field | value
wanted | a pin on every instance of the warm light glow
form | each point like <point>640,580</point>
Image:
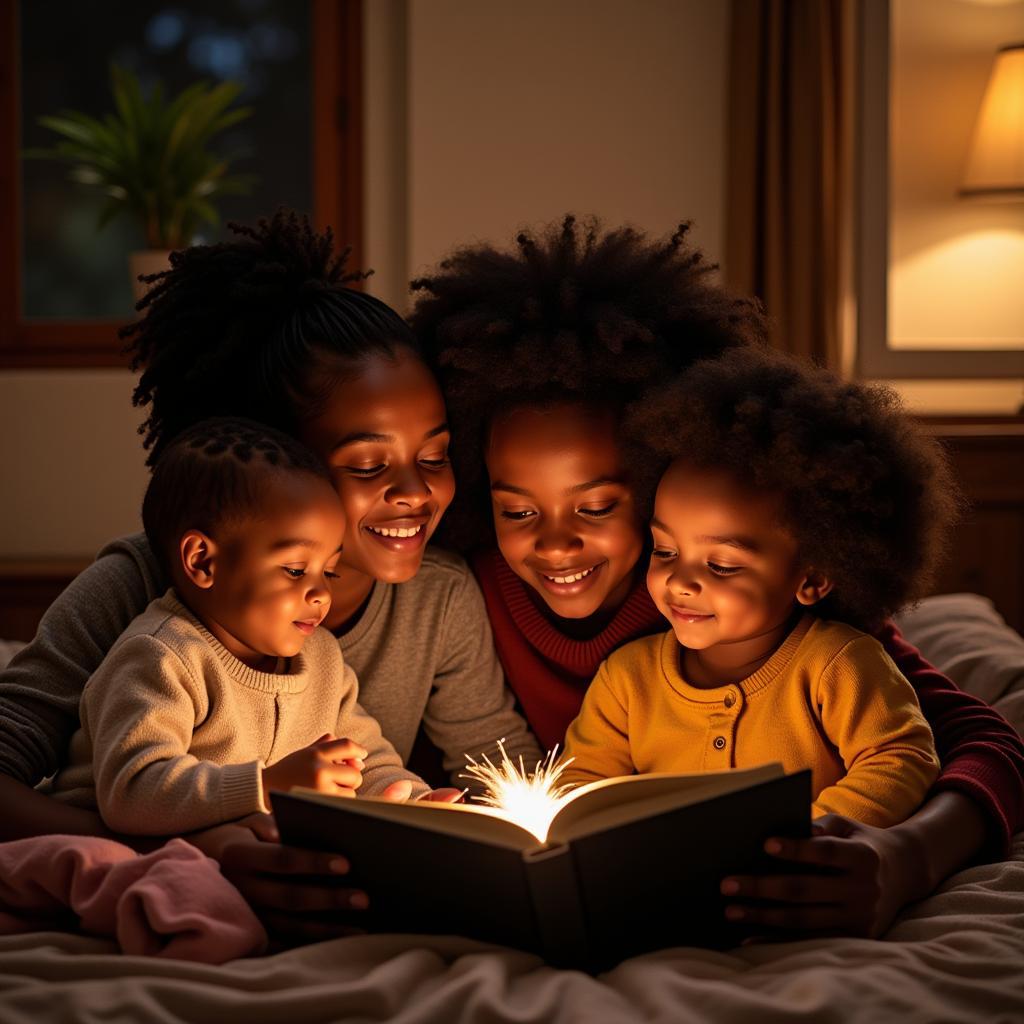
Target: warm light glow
<point>530,799</point>
<point>995,167</point>
<point>977,274</point>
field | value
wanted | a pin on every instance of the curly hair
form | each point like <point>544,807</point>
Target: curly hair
<point>867,495</point>
<point>214,473</point>
<point>261,326</point>
<point>573,312</point>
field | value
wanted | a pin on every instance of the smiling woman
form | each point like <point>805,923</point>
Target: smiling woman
<point>267,327</point>
<point>385,439</point>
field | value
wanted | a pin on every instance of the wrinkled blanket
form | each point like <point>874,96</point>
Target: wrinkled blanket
<point>172,902</point>
<point>955,957</point>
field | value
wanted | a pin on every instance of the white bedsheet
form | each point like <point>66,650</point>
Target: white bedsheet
<point>957,956</point>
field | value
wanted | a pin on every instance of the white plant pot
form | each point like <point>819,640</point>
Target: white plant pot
<point>146,261</point>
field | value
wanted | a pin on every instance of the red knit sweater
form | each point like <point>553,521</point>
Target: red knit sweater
<point>982,755</point>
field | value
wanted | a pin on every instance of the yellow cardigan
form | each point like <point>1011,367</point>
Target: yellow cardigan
<point>829,699</point>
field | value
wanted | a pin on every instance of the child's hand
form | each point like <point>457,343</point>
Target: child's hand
<point>329,765</point>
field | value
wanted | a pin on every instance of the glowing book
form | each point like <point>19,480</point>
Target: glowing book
<point>629,864</point>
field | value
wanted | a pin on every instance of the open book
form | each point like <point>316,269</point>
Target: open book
<point>629,864</point>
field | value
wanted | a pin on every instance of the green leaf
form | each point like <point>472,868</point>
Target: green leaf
<point>151,156</point>
<point>111,208</point>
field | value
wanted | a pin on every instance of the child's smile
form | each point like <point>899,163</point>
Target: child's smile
<point>724,571</point>
<point>563,512</point>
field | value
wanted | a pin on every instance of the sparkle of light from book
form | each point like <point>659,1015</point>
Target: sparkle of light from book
<point>529,799</point>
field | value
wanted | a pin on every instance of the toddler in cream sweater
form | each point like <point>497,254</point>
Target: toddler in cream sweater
<point>225,688</point>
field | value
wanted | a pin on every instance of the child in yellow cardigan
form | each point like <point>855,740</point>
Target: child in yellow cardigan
<point>795,508</point>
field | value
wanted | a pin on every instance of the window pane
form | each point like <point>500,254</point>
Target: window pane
<point>71,269</point>
<point>955,263</point>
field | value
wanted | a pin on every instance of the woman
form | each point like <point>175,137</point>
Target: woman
<point>538,351</point>
<point>266,327</point>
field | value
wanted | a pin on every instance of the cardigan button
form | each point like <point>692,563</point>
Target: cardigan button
<point>730,699</point>
<point>719,743</point>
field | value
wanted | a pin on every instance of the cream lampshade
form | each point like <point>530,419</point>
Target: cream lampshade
<point>995,166</point>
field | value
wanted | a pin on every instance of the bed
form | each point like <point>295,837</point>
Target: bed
<point>956,956</point>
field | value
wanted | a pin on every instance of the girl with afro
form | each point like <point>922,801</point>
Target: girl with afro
<point>267,326</point>
<point>795,508</point>
<point>539,349</point>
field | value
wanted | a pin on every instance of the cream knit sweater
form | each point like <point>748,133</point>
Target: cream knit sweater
<point>422,651</point>
<point>176,730</point>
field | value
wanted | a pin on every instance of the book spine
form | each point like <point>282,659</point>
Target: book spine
<point>557,906</point>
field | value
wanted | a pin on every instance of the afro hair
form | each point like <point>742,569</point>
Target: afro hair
<point>574,312</point>
<point>868,496</point>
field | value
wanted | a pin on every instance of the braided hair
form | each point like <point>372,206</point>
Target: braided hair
<point>574,312</point>
<point>262,326</point>
<point>216,472</point>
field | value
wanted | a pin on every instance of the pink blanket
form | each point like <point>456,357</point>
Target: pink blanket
<point>173,902</point>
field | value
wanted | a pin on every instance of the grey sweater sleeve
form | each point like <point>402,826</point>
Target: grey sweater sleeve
<point>382,765</point>
<point>41,688</point>
<point>470,708</point>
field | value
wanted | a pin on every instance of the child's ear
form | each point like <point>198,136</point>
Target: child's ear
<point>813,587</point>
<point>197,552</point>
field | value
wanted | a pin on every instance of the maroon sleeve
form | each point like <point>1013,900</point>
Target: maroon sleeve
<point>981,754</point>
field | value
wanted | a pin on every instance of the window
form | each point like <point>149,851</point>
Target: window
<point>939,292</point>
<point>64,286</point>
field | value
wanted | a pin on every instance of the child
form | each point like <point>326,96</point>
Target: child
<point>224,688</point>
<point>797,511</point>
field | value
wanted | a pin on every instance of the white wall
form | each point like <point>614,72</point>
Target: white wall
<point>71,462</point>
<point>480,117</point>
<point>517,113</point>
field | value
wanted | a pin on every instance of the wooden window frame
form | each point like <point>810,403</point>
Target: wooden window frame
<point>875,357</point>
<point>337,179</point>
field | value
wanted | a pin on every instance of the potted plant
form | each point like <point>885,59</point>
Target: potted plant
<point>151,159</point>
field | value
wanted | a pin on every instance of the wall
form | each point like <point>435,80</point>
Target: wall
<point>480,117</point>
<point>71,462</point>
<point>519,113</point>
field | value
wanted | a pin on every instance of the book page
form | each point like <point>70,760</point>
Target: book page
<point>472,821</point>
<point>611,802</point>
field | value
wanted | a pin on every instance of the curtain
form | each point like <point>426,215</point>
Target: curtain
<point>789,180</point>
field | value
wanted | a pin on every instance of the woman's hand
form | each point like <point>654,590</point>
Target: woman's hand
<point>445,795</point>
<point>295,893</point>
<point>401,790</point>
<point>867,875</point>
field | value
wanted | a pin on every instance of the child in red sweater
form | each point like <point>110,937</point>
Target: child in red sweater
<point>538,351</point>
